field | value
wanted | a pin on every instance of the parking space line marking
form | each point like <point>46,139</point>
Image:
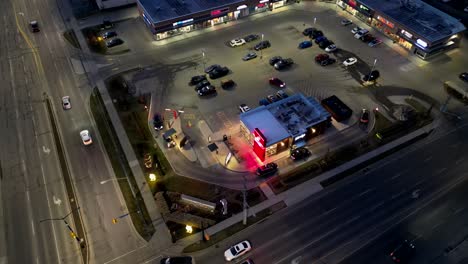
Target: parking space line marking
<point>366,191</point>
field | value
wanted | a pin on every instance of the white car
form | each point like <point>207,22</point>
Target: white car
<point>349,61</point>
<point>66,102</point>
<point>237,250</point>
<point>356,30</point>
<point>86,137</point>
<point>237,42</point>
<point>361,33</point>
<point>346,22</point>
<point>244,108</point>
<point>331,48</point>
<point>466,9</point>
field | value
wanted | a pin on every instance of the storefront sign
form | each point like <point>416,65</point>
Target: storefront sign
<point>241,7</point>
<point>386,22</point>
<point>406,34</point>
<point>261,5</point>
<point>299,137</point>
<point>421,43</point>
<point>259,144</point>
<point>219,12</point>
<point>183,22</point>
<point>352,3</point>
<point>264,1</point>
<point>363,7</point>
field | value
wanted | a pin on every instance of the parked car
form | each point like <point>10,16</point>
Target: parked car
<point>305,44</point>
<point>207,90</point>
<point>220,72</point>
<point>263,102</point>
<point>308,31</point>
<point>271,98</point>
<point>367,38</point>
<point>374,75</point>
<point>251,37</point>
<point>262,45</point>
<point>320,39</point>
<point>349,61</point>
<point>331,48</point>
<point>321,57</point>
<point>177,260</point>
<point>196,79</point>
<point>324,44</point>
<point>364,116</point>
<point>346,22</point>
<point>158,122</point>
<point>283,63</point>
<point>66,102</point>
<point>114,42</point>
<point>237,42</point>
<point>300,153</point>
<point>277,82</point>
<point>244,108</point>
<point>328,62</point>
<point>212,68</point>
<point>281,94</point>
<point>109,34</point>
<point>249,56</point>
<point>463,76</point>
<point>315,34</point>
<point>275,60</point>
<point>267,169</point>
<point>106,24</point>
<point>374,42</point>
<point>86,137</point>
<point>361,33</point>
<point>202,84</point>
<point>34,25</point>
<point>237,250</point>
<point>403,252</point>
<point>356,30</point>
<point>227,84</point>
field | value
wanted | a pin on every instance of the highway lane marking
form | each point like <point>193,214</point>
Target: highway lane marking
<point>121,256</point>
<point>33,230</point>
<point>427,159</point>
<point>459,160</point>
<point>366,191</point>
<point>151,259</point>
<point>398,194</point>
<point>459,210</point>
<point>377,206</point>
<point>437,225</point>
<point>27,196</point>
<point>329,211</point>
<point>441,170</point>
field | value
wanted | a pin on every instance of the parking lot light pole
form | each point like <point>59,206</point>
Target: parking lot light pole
<point>372,69</point>
<point>261,50</point>
<point>203,60</point>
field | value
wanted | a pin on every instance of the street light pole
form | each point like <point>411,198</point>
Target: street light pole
<point>372,69</point>
<point>203,60</point>
<point>261,50</point>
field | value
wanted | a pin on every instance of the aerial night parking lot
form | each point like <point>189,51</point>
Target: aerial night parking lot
<point>275,132</point>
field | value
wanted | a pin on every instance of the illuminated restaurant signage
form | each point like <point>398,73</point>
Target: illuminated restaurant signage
<point>386,22</point>
<point>259,144</point>
<point>183,22</point>
<point>219,12</point>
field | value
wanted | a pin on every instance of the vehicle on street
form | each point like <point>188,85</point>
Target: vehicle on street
<point>346,22</point>
<point>275,59</point>
<point>331,48</point>
<point>281,94</point>
<point>300,153</point>
<point>249,56</point>
<point>315,34</point>
<point>321,57</point>
<point>305,44</point>
<point>364,116</point>
<point>350,61</point>
<point>374,42</point>
<point>283,64</point>
<point>251,37</point>
<point>227,84</point>
<point>109,34</point>
<point>403,252</point>
<point>277,82</point>
<point>320,39</point>
<point>356,30</point>
<point>267,169</point>
<point>328,62</point>
<point>158,122</point>
<point>271,98</point>
<point>207,90</point>
<point>244,108</point>
<point>114,42</point>
<point>361,33</point>
<point>308,31</point>
<point>237,42</point>
<point>212,68</point>
<point>34,25</point>
<point>247,261</point>
<point>463,76</point>
<point>202,84</point>
<point>367,38</point>
<point>177,260</point>
<point>262,45</point>
<point>86,137</point>
<point>106,24</point>
<point>237,250</point>
<point>220,72</point>
<point>66,102</point>
<point>196,79</point>
<point>374,75</point>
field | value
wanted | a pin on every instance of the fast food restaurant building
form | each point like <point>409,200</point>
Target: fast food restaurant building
<point>167,18</point>
<point>284,124</point>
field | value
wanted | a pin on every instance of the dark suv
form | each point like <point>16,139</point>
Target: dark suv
<point>219,72</point>
<point>299,153</point>
<point>267,169</point>
<point>196,79</point>
<point>402,252</point>
<point>283,63</point>
<point>308,31</point>
<point>262,45</point>
<point>275,59</point>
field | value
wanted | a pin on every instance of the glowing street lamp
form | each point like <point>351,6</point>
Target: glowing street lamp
<point>188,229</point>
<point>152,177</point>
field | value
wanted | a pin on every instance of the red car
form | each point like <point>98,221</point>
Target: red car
<point>277,82</point>
<point>321,57</point>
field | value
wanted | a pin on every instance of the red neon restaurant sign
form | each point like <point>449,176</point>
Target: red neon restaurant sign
<point>259,144</point>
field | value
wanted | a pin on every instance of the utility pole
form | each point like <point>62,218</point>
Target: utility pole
<point>72,232</point>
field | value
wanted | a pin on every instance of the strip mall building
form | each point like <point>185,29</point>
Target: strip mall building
<point>166,18</point>
<point>289,122</point>
<point>413,24</point>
